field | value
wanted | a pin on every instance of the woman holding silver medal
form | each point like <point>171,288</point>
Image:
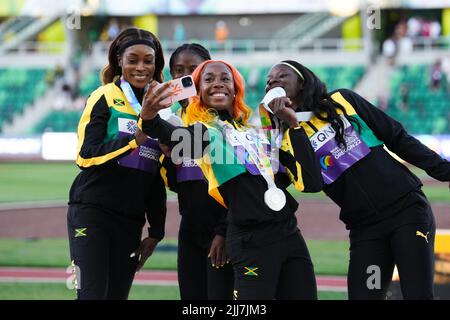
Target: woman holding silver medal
<point>269,256</point>
<point>204,272</point>
<point>382,204</point>
<point>119,185</point>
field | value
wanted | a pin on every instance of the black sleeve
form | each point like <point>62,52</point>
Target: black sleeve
<point>157,209</point>
<point>392,133</point>
<point>221,227</point>
<point>92,130</point>
<point>299,159</point>
<point>193,138</point>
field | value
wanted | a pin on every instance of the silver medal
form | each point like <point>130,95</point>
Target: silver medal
<point>275,198</point>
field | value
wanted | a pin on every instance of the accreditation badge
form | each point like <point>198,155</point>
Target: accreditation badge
<point>335,159</point>
<point>146,156</point>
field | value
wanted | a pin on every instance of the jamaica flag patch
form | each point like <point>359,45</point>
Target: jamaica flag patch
<point>81,232</point>
<point>118,102</point>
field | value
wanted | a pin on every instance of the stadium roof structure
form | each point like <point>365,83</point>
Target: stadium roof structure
<point>204,7</point>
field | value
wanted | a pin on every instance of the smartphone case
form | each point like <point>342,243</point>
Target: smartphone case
<point>180,91</point>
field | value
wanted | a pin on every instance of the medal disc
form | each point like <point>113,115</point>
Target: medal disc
<point>275,199</point>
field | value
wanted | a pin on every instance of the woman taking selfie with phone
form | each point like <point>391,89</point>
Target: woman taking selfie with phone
<point>119,184</point>
<point>269,256</point>
<point>203,270</point>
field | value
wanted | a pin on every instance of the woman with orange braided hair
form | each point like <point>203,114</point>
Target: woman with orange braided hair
<point>204,272</point>
<point>268,253</point>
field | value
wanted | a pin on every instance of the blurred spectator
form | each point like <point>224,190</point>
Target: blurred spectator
<point>403,42</point>
<point>113,29</point>
<point>50,78</point>
<point>435,29</point>
<point>222,31</point>
<point>59,71</point>
<point>419,27</point>
<point>414,27</point>
<point>405,45</point>
<point>253,78</point>
<point>179,33</point>
<point>401,29</point>
<point>446,67</point>
<point>390,50</point>
<point>64,101</point>
<point>404,96</point>
<point>436,75</point>
<point>426,26</point>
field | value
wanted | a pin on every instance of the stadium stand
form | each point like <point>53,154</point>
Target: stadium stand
<point>59,121</point>
<point>421,109</point>
<point>19,87</point>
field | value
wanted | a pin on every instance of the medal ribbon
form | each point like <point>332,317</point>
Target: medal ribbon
<point>257,154</point>
<point>131,97</point>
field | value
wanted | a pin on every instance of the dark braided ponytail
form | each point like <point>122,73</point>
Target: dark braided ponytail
<point>316,98</point>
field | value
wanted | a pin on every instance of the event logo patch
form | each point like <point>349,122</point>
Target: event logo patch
<point>325,162</point>
<point>131,126</point>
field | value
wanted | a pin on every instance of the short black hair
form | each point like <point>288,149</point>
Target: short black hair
<point>195,48</point>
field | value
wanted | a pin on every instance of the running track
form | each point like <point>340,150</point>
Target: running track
<point>164,278</point>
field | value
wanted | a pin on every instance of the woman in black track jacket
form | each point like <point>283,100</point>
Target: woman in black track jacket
<point>382,204</point>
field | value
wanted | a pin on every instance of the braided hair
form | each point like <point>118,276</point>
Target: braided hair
<point>195,48</point>
<point>315,97</point>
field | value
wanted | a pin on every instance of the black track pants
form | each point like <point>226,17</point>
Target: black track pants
<point>100,246</point>
<point>280,270</point>
<point>197,279</point>
<point>375,250</point>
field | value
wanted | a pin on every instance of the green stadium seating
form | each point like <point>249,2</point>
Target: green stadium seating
<point>19,87</point>
<point>89,83</point>
<point>59,121</point>
<point>427,110</point>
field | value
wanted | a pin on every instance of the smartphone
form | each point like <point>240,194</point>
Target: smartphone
<point>182,88</point>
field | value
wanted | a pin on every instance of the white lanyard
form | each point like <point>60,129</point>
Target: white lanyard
<point>131,97</point>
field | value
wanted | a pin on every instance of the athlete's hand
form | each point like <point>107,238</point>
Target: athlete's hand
<point>144,251</point>
<point>165,149</point>
<point>152,101</point>
<point>217,252</point>
<point>282,108</point>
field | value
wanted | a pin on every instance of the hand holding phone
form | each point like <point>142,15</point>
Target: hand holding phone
<point>155,94</point>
